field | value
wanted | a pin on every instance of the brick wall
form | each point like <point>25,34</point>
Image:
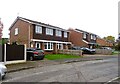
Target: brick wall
<point>23,32</point>
<point>76,38</point>
<point>103,42</point>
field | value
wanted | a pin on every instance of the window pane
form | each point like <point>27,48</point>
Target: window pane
<point>38,29</point>
<point>45,45</point>
<point>49,31</point>
<point>49,46</point>
<point>58,33</point>
<point>65,34</point>
<point>16,31</point>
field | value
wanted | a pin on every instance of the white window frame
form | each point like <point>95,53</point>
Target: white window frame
<point>65,34</point>
<point>49,46</point>
<point>49,31</point>
<point>59,46</point>
<point>92,36</point>
<point>38,29</point>
<point>16,31</point>
<point>59,33</point>
<point>38,44</point>
<point>84,35</point>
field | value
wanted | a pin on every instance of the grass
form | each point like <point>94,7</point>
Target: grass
<point>60,56</point>
<point>115,52</point>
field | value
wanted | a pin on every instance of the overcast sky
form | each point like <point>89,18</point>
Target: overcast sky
<point>95,16</point>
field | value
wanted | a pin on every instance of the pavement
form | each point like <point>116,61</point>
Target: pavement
<point>45,62</point>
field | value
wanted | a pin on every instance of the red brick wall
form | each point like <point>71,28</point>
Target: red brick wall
<point>76,38</point>
<point>103,42</point>
<point>23,32</point>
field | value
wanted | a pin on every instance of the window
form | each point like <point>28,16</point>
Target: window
<point>48,46</point>
<point>38,29</point>
<point>16,31</point>
<point>49,31</point>
<point>58,33</point>
<point>93,37</point>
<point>84,35</point>
<point>65,34</point>
<point>37,45</point>
<point>59,46</point>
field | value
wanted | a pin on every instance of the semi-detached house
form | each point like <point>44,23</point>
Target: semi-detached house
<point>82,38</point>
<point>86,39</point>
<point>39,35</point>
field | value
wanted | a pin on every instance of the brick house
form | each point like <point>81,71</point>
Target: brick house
<point>82,38</point>
<point>103,43</point>
<point>39,35</point>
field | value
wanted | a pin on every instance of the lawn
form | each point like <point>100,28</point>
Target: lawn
<point>115,52</point>
<point>60,56</point>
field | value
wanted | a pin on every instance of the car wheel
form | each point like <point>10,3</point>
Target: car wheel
<point>31,58</point>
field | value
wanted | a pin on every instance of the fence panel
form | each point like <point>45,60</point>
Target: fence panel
<point>14,52</point>
<point>72,52</point>
<point>103,51</point>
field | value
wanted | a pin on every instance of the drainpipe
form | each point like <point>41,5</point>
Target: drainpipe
<point>29,36</point>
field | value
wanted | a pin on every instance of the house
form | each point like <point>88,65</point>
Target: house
<point>82,38</point>
<point>39,35</point>
<point>103,43</point>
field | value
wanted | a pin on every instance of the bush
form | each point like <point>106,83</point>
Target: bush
<point>117,47</point>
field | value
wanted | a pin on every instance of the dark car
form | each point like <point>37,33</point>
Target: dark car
<point>87,50</point>
<point>35,53</point>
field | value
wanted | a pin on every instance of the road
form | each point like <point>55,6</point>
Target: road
<point>86,71</point>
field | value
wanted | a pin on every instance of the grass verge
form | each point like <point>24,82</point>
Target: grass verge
<point>115,53</point>
<point>60,56</point>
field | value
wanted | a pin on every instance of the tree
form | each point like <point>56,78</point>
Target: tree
<point>110,39</point>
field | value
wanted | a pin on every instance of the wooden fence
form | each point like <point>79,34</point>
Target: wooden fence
<point>13,53</point>
<point>71,52</point>
<point>103,51</point>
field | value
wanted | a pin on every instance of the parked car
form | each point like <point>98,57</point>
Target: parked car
<point>35,53</point>
<point>3,71</point>
<point>87,50</point>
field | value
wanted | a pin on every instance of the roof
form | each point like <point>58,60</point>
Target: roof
<point>37,23</point>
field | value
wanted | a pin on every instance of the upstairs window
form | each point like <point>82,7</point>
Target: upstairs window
<point>93,37</point>
<point>16,31</point>
<point>49,31</point>
<point>84,35</point>
<point>38,29</point>
<point>65,34</point>
<point>58,33</point>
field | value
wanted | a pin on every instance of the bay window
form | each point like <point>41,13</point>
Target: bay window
<point>48,46</point>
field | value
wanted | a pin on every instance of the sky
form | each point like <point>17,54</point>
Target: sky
<point>96,16</point>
